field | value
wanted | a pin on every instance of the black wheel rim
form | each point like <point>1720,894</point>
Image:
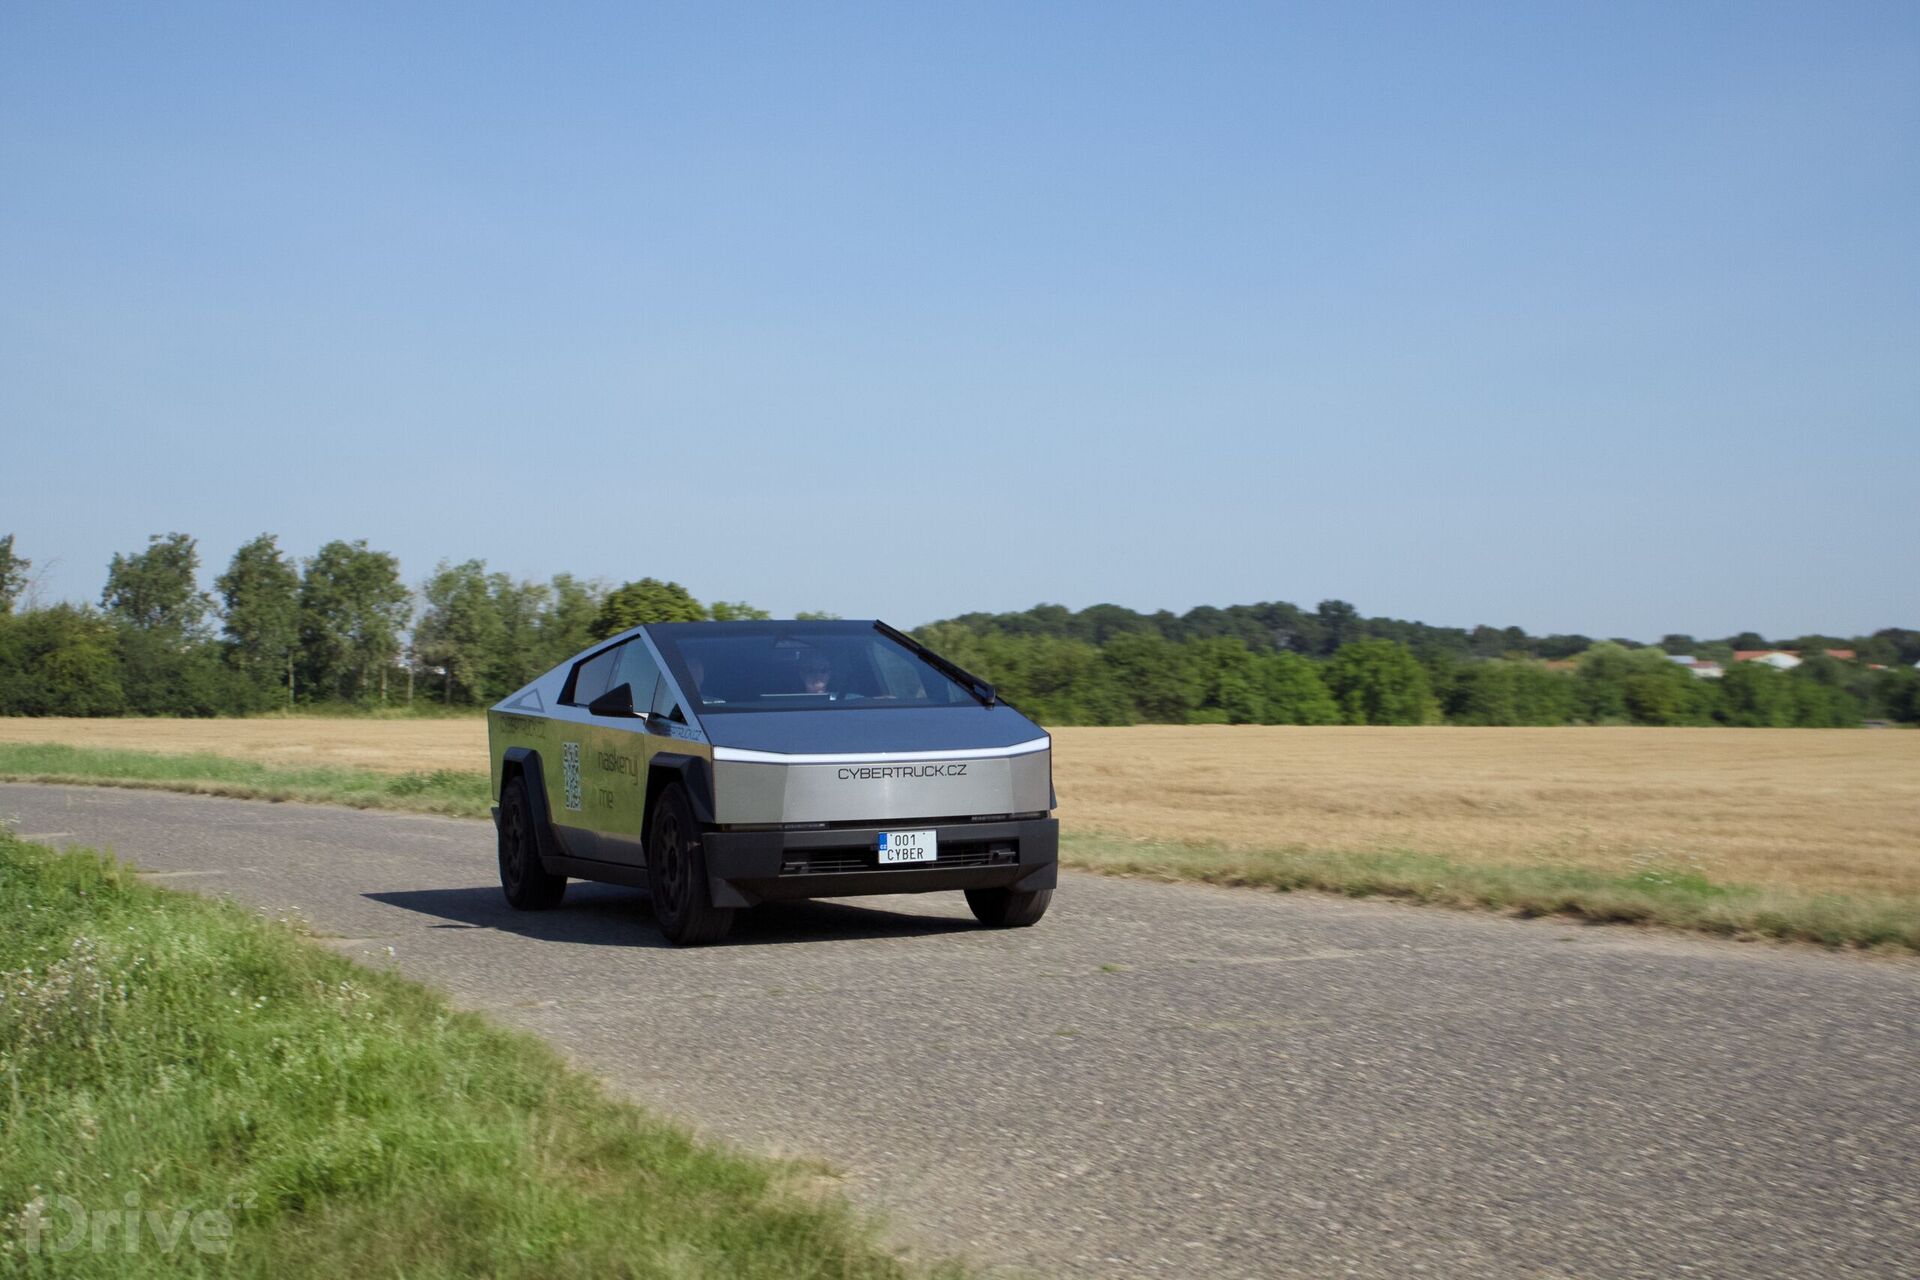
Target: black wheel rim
<point>671,854</point>
<point>514,864</point>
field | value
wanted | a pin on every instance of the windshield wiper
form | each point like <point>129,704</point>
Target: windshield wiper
<point>972,683</point>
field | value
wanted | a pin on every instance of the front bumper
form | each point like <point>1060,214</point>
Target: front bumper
<point>745,867</point>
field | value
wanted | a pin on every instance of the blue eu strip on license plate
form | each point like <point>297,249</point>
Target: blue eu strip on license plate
<point>908,846</point>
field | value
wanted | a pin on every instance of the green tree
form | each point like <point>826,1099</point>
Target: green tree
<point>1900,695</point>
<point>1541,696</point>
<point>163,676</point>
<point>1821,703</point>
<point>736,611</point>
<point>1292,692</point>
<point>13,574</point>
<point>1600,683</point>
<point>1663,697</point>
<point>1338,623</point>
<point>521,646</point>
<point>1641,686</point>
<point>1562,646</point>
<point>1054,680</point>
<point>1895,646</point>
<point>1483,693</point>
<point>1229,682</point>
<point>260,592</point>
<point>1490,642</point>
<point>1061,682</point>
<point>1154,674</point>
<point>1380,682</point>
<point>566,625</point>
<point>648,600</point>
<point>62,661</point>
<point>155,590</point>
<point>1444,672</point>
<point>1752,695</point>
<point>461,630</point>
<point>353,608</point>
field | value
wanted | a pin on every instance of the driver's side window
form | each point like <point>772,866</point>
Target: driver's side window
<point>636,667</point>
<point>666,705</point>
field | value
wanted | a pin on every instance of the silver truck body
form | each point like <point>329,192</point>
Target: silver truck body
<point>793,791</point>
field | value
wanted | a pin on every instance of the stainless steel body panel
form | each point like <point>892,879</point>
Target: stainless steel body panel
<point>880,788</point>
<point>795,799</point>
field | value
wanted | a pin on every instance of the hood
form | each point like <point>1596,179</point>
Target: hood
<point>845,730</point>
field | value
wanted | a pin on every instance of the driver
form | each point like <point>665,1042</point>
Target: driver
<point>816,671</point>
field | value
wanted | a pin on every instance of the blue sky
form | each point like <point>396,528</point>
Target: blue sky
<point>1586,318</point>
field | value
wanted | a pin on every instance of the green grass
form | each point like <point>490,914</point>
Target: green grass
<point>444,791</point>
<point>1673,898</point>
<point>420,709</point>
<point>173,1056</point>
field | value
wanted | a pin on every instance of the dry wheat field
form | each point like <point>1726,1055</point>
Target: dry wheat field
<point>1815,809</point>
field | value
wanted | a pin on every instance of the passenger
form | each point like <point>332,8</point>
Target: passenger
<point>815,672</point>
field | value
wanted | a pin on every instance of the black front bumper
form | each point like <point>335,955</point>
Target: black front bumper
<point>745,867</point>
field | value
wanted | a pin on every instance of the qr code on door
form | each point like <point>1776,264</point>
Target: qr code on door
<point>570,772</point>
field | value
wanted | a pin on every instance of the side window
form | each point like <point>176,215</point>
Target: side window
<point>665,704</point>
<point>591,678</point>
<point>637,668</point>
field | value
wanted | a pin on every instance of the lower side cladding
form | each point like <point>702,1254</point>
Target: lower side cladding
<point>745,867</point>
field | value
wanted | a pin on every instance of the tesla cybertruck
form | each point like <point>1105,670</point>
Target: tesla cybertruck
<point>722,764</point>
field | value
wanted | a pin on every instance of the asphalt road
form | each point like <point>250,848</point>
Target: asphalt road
<point>1167,1080</point>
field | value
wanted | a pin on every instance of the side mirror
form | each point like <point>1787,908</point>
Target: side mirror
<point>617,701</point>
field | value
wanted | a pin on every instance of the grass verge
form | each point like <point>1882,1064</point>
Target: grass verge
<point>186,1088</point>
<point>421,710</point>
<point>444,791</point>
<point>1676,898</point>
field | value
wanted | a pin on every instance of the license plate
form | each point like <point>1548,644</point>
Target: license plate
<point>908,846</point>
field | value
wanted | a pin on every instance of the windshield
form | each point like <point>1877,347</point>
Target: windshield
<point>800,666</point>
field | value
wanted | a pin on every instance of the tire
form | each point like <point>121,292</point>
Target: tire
<point>528,885</point>
<point>677,874</point>
<point>1006,909</point>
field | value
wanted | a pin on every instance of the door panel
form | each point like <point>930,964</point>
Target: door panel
<point>613,785</point>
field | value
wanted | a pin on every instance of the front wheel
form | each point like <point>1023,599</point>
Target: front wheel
<point>1007,909</point>
<point>677,874</point>
<point>529,886</point>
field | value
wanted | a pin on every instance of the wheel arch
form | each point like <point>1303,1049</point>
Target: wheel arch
<point>692,772</point>
<point>524,763</point>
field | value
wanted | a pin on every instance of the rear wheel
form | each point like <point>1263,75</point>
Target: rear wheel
<point>528,885</point>
<point>677,874</point>
<point>1007,909</point>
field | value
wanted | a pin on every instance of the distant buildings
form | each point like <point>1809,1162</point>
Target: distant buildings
<point>1783,659</point>
<point>1706,669</point>
<point>1787,659</point>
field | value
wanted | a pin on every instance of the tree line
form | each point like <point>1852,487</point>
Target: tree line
<point>338,628</point>
<point>342,627</point>
<point>1276,663</point>
<point>1143,677</point>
